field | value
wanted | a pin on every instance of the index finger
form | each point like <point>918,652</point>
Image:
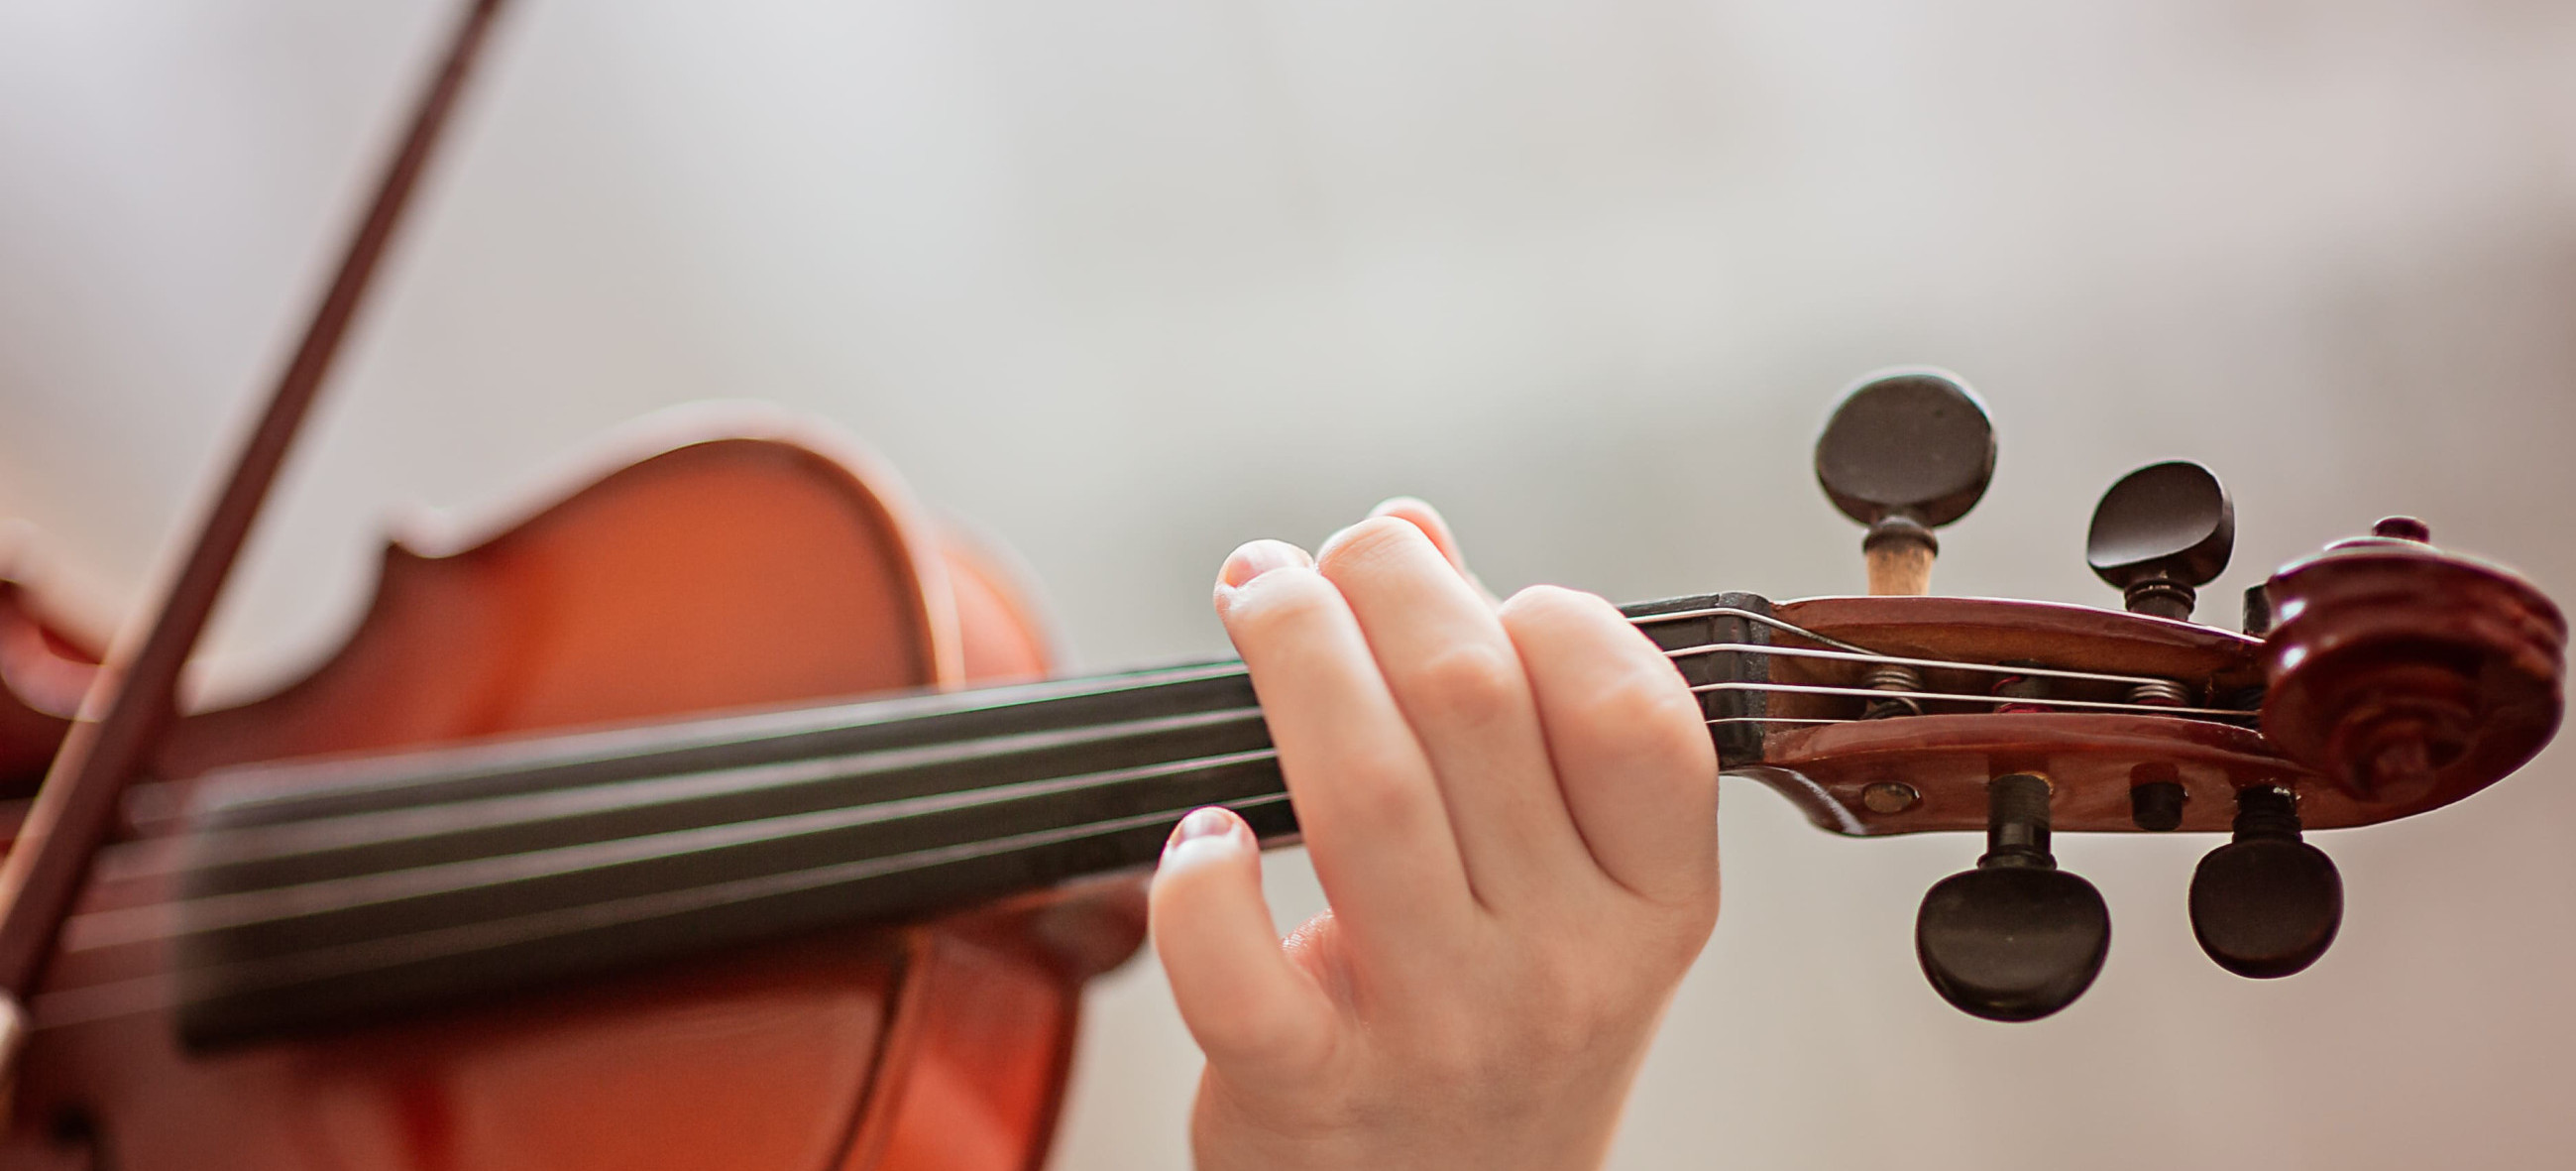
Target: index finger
<point>1362,786</point>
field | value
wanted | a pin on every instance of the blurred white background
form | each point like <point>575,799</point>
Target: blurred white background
<point>1124,282</point>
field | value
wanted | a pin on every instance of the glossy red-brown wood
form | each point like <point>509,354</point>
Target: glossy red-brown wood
<point>766,568</point>
<point>1947,757</point>
<point>2408,675</point>
<point>2092,759</point>
<point>44,671</point>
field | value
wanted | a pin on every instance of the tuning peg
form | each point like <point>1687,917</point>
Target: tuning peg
<point>2266,904</point>
<point>2160,534</point>
<point>1906,452</point>
<point>2016,938</point>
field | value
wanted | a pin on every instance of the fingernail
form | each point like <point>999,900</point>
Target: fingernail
<point>1259,557</point>
<point>1207,822</point>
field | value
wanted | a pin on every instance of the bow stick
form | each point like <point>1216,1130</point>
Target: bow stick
<point>135,697</point>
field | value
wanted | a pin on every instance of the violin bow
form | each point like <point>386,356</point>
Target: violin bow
<point>135,698</point>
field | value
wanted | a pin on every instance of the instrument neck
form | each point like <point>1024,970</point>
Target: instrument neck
<point>333,890</point>
<point>509,862</point>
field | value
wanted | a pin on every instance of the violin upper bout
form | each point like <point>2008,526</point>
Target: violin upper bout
<point>737,566</point>
<point>725,572</point>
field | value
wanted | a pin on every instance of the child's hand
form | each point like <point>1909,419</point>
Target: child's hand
<point>1512,810</point>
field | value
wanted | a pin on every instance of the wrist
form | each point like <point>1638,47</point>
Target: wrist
<point>1569,1130</point>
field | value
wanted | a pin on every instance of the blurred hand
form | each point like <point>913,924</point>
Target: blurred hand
<point>1512,810</point>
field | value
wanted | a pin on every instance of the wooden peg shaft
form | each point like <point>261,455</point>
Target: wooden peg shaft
<point>1900,569</point>
<point>1900,554</point>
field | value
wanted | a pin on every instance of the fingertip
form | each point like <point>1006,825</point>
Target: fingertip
<point>1554,603</point>
<point>1206,839</point>
<point>1249,563</point>
<point>1254,558</point>
<point>1365,534</point>
<point>1210,830</point>
<point>1235,989</point>
<point>1412,508</point>
<point>1420,514</point>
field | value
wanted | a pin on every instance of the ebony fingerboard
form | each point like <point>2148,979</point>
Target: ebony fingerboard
<point>340,892</point>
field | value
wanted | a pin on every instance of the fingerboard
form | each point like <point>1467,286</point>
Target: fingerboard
<point>329,893</point>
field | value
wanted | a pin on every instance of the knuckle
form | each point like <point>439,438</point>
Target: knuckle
<point>1652,713</point>
<point>1571,1030</point>
<point>1572,1006</point>
<point>1473,683</point>
<point>1454,1049</point>
<point>1379,789</point>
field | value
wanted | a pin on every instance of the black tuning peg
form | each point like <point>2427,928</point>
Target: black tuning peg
<point>2016,938</point>
<point>2266,904</point>
<point>1905,453</point>
<point>2160,534</point>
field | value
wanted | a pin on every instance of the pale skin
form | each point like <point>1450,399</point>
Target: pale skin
<point>1512,809</point>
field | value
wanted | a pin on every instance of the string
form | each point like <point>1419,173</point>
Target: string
<point>1874,693</point>
<point>102,929</point>
<point>78,1005</point>
<point>271,786</point>
<point>273,842</point>
<point>293,840</point>
<point>274,904</point>
<point>270,843</point>
<point>1756,648</point>
<point>270,905</point>
<point>1749,616</point>
<point>483,935</point>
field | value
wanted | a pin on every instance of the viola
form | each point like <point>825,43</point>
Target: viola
<point>723,813</point>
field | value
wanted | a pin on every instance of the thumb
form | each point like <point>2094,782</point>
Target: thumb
<point>1239,994</point>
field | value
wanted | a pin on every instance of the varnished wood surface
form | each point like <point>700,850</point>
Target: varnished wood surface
<point>715,574</point>
<point>2092,759</point>
<point>44,671</point>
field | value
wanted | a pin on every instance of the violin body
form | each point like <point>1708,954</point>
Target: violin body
<point>737,564</point>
